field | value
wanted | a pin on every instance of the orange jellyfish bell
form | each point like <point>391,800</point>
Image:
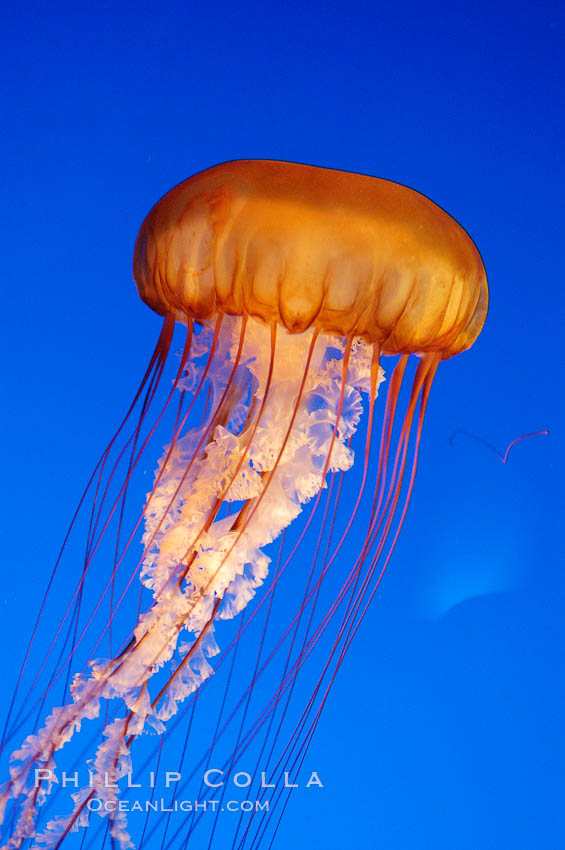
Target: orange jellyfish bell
<point>293,283</point>
<point>305,246</point>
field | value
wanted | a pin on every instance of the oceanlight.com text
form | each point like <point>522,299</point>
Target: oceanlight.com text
<point>161,805</point>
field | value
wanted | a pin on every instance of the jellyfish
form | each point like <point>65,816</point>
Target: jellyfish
<point>289,284</point>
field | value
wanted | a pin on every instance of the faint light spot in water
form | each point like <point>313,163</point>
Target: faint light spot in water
<point>452,580</point>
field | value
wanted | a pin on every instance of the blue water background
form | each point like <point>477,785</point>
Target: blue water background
<point>445,727</point>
